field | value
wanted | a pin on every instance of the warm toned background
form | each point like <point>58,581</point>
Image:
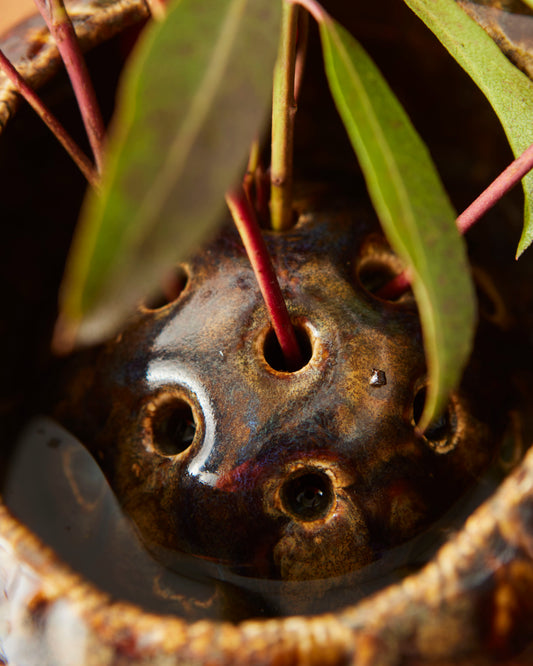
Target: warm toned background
<point>13,10</point>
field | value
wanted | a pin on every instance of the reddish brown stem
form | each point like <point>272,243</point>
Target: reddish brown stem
<point>262,195</point>
<point>62,30</point>
<point>485,201</point>
<point>245,220</point>
<point>393,289</point>
<point>495,191</point>
<point>79,157</point>
<point>256,185</point>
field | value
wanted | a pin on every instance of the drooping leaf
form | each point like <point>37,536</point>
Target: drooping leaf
<point>509,91</point>
<point>194,95</point>
<point>412,206</point>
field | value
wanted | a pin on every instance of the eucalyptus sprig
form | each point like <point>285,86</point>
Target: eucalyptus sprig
<point>58,21</point>
<point>195,94</point>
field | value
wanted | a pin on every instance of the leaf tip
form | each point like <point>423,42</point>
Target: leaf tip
<point>522,247</point>
<point>64,335</point>
<point>433,407</point>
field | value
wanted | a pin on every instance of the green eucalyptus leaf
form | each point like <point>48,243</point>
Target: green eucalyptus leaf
<point>412,206</point>
<point>194,95</point>
<point>509,91</point>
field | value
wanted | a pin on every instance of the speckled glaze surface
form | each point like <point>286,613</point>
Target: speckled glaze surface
<point>314,473</point>
<point>472,604</point>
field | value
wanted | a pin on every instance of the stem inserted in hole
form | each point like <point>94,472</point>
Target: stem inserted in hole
<point>245,220</point>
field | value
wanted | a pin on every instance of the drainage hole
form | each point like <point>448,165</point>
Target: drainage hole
<point>274,356</point>
<point>491,305</point>
<point>308,496</point>
<point>171,287</point>
<point>379,277</point>
<point>173,427</point>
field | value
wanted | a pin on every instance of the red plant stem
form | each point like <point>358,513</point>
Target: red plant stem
<point>62,30</point>
<point>495,191</point>
<point>245,220</point>
<point>72,148</point>
<point>262,195</point>
<point>393,289</point>
<point>256,185</point>
<point>490,196</point>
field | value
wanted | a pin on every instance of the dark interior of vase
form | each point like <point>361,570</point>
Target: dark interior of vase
<point>226,486</point>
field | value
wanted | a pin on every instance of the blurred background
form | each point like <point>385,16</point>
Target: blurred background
<point>12,11</point>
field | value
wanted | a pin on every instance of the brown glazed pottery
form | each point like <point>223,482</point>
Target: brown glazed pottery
<point>287,493</point>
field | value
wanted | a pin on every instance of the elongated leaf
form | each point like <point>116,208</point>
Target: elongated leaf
<point>195,94</point>
<point>413,208</point>
<point>508,90</point>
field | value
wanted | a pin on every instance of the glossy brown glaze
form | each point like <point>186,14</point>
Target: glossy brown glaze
<point>470,605</point>
<point>313,473</point>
